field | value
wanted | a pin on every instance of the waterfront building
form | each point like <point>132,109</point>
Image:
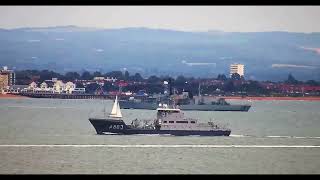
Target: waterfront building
<point>58,87</point>
<point>79,91</point>
<point>16,89</point>
<point>32,86</point>
<point>98,78</point>
<point>43,85</point>
<point>69,87</point>
<point>110,79</point>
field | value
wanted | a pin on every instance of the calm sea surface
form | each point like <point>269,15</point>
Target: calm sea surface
<point>276,136</point>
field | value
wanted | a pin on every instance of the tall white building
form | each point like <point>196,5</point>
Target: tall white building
<point>7,78</point>
<point>237,68</point>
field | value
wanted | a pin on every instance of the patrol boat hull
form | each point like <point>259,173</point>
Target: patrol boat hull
<point>107,126</point>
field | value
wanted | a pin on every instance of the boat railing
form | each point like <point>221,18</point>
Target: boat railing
<point>142,123</point>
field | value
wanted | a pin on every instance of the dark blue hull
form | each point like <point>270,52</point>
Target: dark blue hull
<point>103,126</point>
<point>179,132</point>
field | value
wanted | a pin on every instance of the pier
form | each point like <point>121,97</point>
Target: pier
<point>67,96</point>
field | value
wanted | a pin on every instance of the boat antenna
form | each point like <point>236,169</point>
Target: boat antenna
<point>170,86</point>
<point>199,94</point>
<point>120,90</point>
<point>201,100</point>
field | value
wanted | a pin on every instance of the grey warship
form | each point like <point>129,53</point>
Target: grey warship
<point>219,105</point>
<point>169,121</point>
<point>186,104</point>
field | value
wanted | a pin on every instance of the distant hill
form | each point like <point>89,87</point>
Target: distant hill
<point>266,55</point>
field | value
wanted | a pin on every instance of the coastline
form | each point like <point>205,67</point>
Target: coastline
<point>255,98</point>
<point>12,96</point>
<point>251,98</point>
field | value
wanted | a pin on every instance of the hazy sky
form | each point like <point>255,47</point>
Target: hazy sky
<point>187,18</point>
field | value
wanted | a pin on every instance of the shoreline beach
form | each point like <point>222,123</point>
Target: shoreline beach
<point>255,98</point>
<point>12,96</point>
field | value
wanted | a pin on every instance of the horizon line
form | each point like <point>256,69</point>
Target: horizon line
<point>95,28</point>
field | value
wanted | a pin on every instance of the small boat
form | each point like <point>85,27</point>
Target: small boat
<point>169,121</point>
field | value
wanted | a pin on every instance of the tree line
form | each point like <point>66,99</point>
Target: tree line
<point>154,84</point>
<point>25,75</point>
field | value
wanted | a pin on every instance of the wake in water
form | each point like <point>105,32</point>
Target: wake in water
<point>239,135</point>
<point>231,135</point>
<point>293,137</point>
<point>156,146</point>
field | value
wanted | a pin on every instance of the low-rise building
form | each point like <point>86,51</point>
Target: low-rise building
<point>15,89</point>
<point>43,85</point>
<point>69,87</point>
<point>57,87</point>
<point>32,86</point>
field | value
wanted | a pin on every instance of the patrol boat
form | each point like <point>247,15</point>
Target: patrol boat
<point>169,121</point>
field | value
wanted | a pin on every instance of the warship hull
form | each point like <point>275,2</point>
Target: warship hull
<point>107,126</point>
<point>187,107</point>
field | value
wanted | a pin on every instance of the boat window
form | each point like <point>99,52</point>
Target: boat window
<point>171,121</point>
<point>193,122</point>
<point>181,121</point>
<point>164,121</point>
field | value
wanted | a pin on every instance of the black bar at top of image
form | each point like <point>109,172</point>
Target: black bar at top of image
<point>159,2</point>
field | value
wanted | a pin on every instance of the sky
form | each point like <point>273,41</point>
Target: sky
<point>184,18</point>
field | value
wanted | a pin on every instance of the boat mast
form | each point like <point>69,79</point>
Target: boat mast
<point>201,100</point>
